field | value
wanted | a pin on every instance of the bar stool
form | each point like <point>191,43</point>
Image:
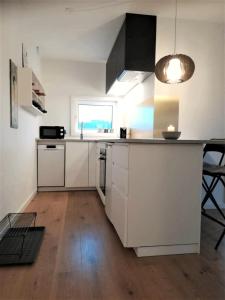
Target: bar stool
<point>216,172</point>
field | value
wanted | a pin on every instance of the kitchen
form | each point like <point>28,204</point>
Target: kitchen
<point>73,75</point>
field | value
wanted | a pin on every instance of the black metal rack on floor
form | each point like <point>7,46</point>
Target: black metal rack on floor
<point>19,238</point>
<point>13,231</point>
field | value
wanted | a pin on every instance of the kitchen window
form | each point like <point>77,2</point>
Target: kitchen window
<point>96,117</point>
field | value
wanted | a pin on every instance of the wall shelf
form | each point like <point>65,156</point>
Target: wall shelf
<point>31,93</point>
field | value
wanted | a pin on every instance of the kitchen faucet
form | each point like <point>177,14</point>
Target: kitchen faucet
<point>81,130</point>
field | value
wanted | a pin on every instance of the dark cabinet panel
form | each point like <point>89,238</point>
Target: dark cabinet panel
<point>140,42</point>
<point>134,48</point>
<point>116,61</point>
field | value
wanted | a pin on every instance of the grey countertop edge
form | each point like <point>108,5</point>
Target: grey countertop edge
<point>128,141</point>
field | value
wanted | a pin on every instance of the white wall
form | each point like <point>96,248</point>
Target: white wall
<point>138,109</point>
<point>65,79</point>
<point>18,145</point>
<point>202,97</point>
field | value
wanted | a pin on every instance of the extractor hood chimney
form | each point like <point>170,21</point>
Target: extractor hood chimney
<point>132,58</point>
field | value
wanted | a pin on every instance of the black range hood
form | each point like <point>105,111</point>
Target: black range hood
<point>132,58</point>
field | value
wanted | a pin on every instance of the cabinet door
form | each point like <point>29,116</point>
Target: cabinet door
<point>76,164</point>
<point>92,164</point>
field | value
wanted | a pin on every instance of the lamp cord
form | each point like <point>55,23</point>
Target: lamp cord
<point>175,28</point>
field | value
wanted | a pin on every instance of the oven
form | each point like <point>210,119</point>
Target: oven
<point>102,170</point>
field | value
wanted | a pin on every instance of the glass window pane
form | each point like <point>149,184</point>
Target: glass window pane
<point>95,117</point>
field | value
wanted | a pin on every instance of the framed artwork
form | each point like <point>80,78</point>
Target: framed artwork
<point>13,95</point>
<point>24,57</point>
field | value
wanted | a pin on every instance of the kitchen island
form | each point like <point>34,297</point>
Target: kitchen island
<point>153,191</point>
<point>154,201</point>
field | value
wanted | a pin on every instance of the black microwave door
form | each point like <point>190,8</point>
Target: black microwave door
<point>48,132</point>
<point>52,132</point>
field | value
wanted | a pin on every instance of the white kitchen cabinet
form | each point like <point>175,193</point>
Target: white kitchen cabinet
<point>91,164</point>
<point>31,94</point>
<point>77,166</point>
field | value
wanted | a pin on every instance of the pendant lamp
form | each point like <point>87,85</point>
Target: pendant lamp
<point>174,68</point>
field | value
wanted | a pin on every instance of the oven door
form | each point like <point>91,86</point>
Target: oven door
<point>102,170</point>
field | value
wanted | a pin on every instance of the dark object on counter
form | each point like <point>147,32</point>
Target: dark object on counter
<point>52,132</point>
<point>216,172</point>
<point>20,239</point>
<point>123,132</point>
<point>171,135</point>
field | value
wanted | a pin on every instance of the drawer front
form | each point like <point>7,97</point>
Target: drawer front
<point>119,214</point>
<point>120,179</point>
<point>120,155</point>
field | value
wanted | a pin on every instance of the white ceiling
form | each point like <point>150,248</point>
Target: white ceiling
<point>85,30</point>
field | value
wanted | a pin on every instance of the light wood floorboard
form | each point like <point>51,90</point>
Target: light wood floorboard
<point>81,258</point>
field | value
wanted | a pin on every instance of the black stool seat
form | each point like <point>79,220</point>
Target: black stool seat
<point>213,170</point>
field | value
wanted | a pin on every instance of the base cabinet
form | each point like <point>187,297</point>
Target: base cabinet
<point>76,164</point>
<point>80,164</point>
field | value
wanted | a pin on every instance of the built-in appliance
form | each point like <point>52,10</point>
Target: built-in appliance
<point>102,170</point>
<point>51,165</point>
<point>132,58</point>
<point>52,132</point>
<point>108,185</point>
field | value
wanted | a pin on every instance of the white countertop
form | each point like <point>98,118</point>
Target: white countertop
<point>129,140</point>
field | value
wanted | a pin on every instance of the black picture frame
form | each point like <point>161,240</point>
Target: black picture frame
<point>13,94</point>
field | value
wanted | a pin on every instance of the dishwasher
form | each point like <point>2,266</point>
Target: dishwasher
<point>51,165</point>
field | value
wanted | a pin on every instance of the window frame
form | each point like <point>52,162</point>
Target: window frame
<point>74,110</point>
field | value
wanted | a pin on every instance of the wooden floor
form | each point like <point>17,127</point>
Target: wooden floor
<point>82,258</point>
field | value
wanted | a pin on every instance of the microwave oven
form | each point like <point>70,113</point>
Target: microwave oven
<point>52,132</point>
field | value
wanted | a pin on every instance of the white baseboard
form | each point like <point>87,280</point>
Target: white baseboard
<point>167,250</point>
<point>64,189</point>
<point>27,202</point>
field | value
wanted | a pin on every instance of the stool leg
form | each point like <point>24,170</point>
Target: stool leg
<point>208,189</point>
<point>216,205</point>
<point>209,194</point>
<point>220,239</point>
